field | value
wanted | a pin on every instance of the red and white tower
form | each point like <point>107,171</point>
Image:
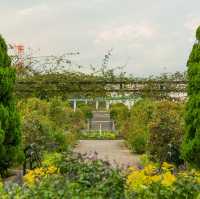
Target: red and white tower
<point>20,54</point>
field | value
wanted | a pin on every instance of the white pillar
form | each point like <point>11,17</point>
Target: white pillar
<point>97,105</point>
<point>107,105</point>
<point>86,102</point>
<point>100,128</point>
<point>74,105</point>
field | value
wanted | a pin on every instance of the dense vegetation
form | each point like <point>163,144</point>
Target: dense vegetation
<point>10,133</point>
<point>153,127</point>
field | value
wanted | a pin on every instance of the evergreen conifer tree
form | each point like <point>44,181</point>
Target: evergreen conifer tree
<point>10,135</point>
<point>191,144</point>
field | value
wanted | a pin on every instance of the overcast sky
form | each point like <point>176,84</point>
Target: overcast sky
<point>149,36</point>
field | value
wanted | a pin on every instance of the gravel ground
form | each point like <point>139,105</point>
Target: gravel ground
<point>113,151</point>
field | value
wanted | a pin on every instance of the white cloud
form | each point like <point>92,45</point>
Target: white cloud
<point>130,32</point>
<point>25,12</point>
<point>31,11</point>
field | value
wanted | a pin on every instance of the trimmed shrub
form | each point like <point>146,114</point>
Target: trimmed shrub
<point>191,144</point>
<point>10,133</point>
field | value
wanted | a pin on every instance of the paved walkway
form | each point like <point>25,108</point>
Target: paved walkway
<point>114,151</point>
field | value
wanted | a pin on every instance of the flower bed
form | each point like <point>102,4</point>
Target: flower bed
<point>75,176</point>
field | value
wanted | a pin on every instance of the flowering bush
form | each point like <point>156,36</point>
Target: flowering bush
<point>73,177</point>
<point>154,182</point>
<point>37,174</point>
<point>89,178</point>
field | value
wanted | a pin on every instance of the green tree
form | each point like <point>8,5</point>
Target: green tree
<point>191,144</point>
<point>10,135</point>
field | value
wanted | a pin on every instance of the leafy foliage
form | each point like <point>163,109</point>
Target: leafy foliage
<point>154,127</point>
<point>166,132</point>
<point>87,111</point>
<point>65,85</point>
<point>93,177</point>
<point>120,114</point>
<point>191,145</point>
<point>50,125</point>
<point>137,134</point>
<point>76,176</point>
<point>10,134</point>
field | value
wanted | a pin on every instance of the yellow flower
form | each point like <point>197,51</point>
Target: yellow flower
<point>150,169</point>
<point>35,175</point>
<point>167,166</point>
<point>139,179</point>
<point>156,178</point>
<point>197,173</point>
<point>132,168</point>
<point>168,179</point>
<point>51,170</point>
<point>136,180</point>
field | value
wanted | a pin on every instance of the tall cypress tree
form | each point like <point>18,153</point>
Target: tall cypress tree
<point>191,144</point>
<point>10,135</point>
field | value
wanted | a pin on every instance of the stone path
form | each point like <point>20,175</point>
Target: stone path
<point>114,151</point>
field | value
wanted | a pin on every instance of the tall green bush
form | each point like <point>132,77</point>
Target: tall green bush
<point>87,111</point>
<point>120,114</point>
<point>10,135</point>
<point>138,133</point>
<point>191,144</point>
